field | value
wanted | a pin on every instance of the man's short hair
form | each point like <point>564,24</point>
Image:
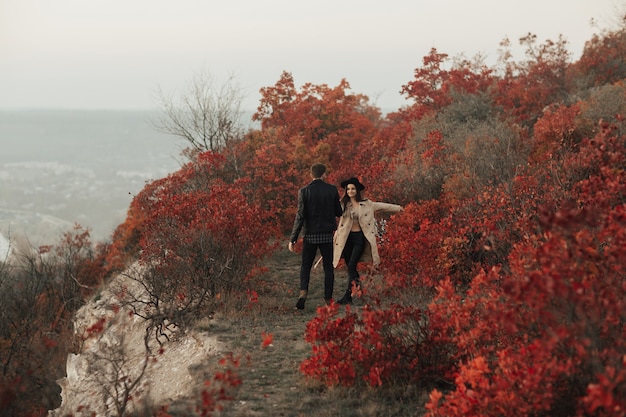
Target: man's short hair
<point>317,170</point>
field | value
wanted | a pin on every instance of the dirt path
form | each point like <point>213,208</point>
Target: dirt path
<point>272,384</point>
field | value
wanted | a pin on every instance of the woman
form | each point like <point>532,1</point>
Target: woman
<point>355,238</point>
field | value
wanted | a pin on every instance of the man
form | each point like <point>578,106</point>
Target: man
<point>318,209</point>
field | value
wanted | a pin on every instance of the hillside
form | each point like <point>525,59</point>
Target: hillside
<point>271,383</point>
<point>501,287</point>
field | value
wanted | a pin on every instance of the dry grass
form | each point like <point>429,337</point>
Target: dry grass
<point>271,382</point>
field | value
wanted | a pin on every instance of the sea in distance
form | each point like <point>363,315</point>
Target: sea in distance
<point>64,167</point>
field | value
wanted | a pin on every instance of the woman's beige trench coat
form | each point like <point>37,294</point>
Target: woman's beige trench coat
<point>367,209</point>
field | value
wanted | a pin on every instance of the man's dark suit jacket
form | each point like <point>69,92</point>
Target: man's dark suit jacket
<point>318,209</point>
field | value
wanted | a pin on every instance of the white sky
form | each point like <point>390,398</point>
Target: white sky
<point>115,54</point>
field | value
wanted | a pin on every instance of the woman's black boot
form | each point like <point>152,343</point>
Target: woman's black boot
<point>347,297</point>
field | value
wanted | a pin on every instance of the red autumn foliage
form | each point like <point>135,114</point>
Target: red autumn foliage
<point>200,239</point>
<point>316,113</point>
<point>556,132</point>
<point>268,338</point>
<point>433,87</point>
<point>374,347</point>
<point>528,87</point>
<point>546,325</point>
<point>522,282</point>
<point>602,60</point>
<point>220,389</point>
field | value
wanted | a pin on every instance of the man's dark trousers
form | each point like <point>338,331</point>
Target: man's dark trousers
<point>309,250</point>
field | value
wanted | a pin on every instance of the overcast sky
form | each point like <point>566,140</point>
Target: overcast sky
<point>115,54</point>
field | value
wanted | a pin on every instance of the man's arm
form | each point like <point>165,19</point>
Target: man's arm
<point>338,208</point>
<point>299,220</point>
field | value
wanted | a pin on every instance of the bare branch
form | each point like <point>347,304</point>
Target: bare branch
<point>205,115</point>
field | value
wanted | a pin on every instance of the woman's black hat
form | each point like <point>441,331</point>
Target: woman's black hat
<point>355,181</point>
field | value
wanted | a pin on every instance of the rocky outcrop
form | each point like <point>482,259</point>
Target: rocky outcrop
<point>119,369</point>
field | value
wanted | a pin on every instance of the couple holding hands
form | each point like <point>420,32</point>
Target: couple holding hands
<point>353,239</point>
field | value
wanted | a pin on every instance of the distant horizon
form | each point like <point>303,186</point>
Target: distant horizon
<point>59,167</point>
<point>138,109</point>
